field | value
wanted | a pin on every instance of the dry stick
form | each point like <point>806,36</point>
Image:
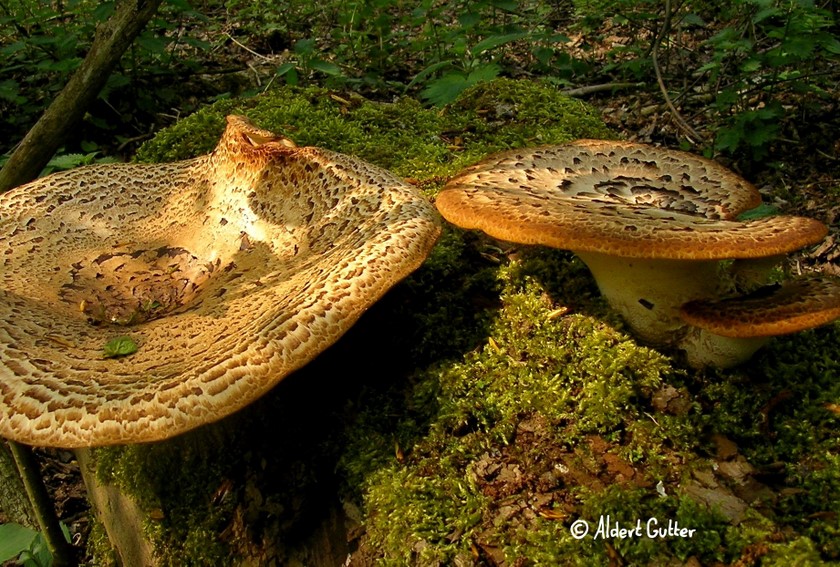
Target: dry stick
<point>248,49</point>
<point>591,89</point>
<point>44,512</point>
<point>40,143</point>
<point>675,114</point>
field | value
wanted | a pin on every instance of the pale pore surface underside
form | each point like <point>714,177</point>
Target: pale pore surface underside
<point>229,271</point>
<point>621,199</point>
<point>789,308</point>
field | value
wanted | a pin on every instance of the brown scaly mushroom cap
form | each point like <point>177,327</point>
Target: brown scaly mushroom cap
<point>729,328</point>
<point>651,224</point>
<point>769,312</point>
<point>229,271</point>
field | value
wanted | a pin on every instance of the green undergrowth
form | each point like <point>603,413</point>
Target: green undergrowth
<point>492,399</point>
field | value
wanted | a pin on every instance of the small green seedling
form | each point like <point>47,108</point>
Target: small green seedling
<point>120,346</point>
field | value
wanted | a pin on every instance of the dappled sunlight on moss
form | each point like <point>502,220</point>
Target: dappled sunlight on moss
<point>631,432</point>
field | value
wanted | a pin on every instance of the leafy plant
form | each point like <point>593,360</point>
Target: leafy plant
<point>306,61</point>
<point>772,50</point>
<point>26,545</point>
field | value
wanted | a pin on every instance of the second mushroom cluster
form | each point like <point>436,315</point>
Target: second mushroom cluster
<point>660,232</point>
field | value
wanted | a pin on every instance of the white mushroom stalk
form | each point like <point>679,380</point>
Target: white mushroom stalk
<point>228,272</point>
<point>652,225</point>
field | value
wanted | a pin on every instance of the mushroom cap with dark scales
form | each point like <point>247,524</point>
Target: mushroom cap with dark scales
<point>621,199</point>
<point>775,310</point>
<point>228,271</point>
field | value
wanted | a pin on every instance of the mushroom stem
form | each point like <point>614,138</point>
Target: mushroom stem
<point>704,348</point>
<point>649,293</point>
<point>749,274</point>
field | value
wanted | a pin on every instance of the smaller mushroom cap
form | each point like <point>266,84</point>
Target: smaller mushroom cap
<point>770,311</point>
<point>620,199</point>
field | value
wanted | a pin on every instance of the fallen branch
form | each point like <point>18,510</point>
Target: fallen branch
<point>592,89</point>
<point>56,124</point>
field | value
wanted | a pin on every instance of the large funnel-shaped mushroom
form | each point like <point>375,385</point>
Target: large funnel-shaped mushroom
<point>651,224</point>
<point>228,271</point>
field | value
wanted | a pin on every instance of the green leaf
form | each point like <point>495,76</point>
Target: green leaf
<point>291,77</point>
<point>495,41</point>
<point>152,43</point>
<point>751,65</point>
<point>14,539</point>
<point>428,71</point>
<point>506,5</point>
<point>444,90</point>
<point>483,74</point>
<point>469,20</point>
<point>764,13</point>
<point>305,47</point>
<point>325,67</point>
<point>693,20</point>
<point>69,161</point>
<point>103,11</point>
<point>761,211</point>
<point>120,346</point>
<point>543,54</point>
<point>41,554</point>
<point>10,91</point>
<point>289,72</point>
<point>830,44</point>
<point>284,68</point>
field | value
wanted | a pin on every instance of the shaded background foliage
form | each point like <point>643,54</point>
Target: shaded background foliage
<point>749,73</point>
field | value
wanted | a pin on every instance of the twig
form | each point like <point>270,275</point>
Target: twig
<point>139,138</point>
<point>675,114</point>
<point>825,155</point>
<point>41,504</point>
<point>246,48</point>
<point>591,89</point>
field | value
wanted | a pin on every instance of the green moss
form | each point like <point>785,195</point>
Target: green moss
<point>403,136</point>
<point>799,552</point>
<point>173,483</point>
<point>507,114</point>
<point>550,353</point>
<point>581,376</point>
<point>99,547</point>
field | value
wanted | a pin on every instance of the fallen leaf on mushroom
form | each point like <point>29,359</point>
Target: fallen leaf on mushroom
<point>234,269</point>
<point>653,226</point>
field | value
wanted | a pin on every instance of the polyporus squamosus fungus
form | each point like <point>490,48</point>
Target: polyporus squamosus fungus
<point>652,225</point>
<point>229,271</point>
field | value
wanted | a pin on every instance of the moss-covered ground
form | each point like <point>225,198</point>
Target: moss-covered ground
<point>492,399</point>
